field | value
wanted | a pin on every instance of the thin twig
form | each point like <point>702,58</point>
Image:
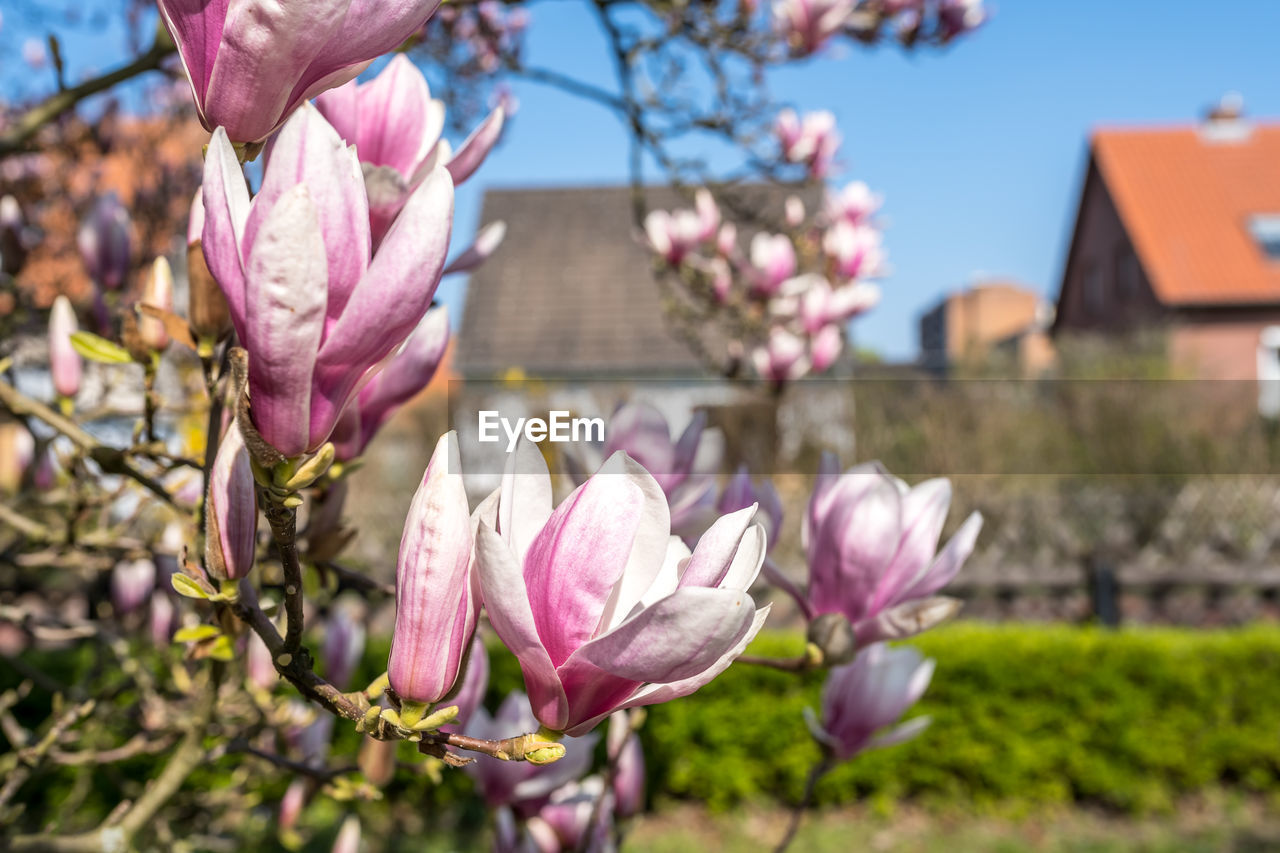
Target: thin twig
<point>819,770</point>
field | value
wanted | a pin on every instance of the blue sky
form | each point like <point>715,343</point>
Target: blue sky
<point>978,149</point>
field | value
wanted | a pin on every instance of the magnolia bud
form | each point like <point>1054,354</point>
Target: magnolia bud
<point>377,761</point>
<point>231,511</point>
<point>132,582</point>
<point>207,310</point>
<point>64,361</point>
<point>17,451</point>
<point>105,243</point>
<point>833,635</point>
<point>158,294</point>
<point>13,242</point>
<point>348,840</point>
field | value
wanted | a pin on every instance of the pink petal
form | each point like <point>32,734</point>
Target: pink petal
<point>476,147</point>
<point>286,278</point>
<point>225,201</point>
<point>507,603</point>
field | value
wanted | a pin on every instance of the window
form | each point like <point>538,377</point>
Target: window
<point>1266,232</point>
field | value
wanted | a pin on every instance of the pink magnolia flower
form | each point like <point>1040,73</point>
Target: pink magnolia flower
<point>807,25</point>
<point>684,467</point>
<point>773,257</point>
<point>628,779</point>
<point>407,373</point>
<point>855,202</point>
<point>868,695</point>
<point>308,303</point>
<point>436,601</point>
<point>231,519</point>
<point>17,452</point>
<point>872,551</point>
<point>252,63</point>
<point>821,305</point>
<point>784,357</point>
<point>740,493</point>
<point>957,17</point>
<point>825,346</point>
<point>521,785</point>
<point>344,638</point>
<point>106,246</point>
<point>854,250</point>
<point>602,607</point>
<point>132,582</point>
<point>64,361</point>
<point>469,695</point>
<point>675,234</point>
<point>487,241</point>
<point>348,840</point>
<point>563,824</point>
<point>812,140</point>
<point>396,127</point>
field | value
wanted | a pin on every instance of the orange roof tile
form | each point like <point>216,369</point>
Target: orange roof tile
<point>1186,199</point>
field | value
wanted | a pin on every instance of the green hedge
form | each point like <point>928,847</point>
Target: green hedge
<point>1022,715</point>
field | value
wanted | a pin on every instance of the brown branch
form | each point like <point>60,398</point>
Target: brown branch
<point>110,459</point>
<point>819,770</point>
<point>20,132</point>
<point>116,834</point>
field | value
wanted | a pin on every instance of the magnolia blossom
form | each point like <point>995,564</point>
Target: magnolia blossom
<point>683,467</point>
<point>563,824</point>
<point>773,257</point>
<point>872,550</point>
<point>855,203</point>
<point>868,695</point>
<point>106,246</point>
<point>17,452</point>
<point>344,638</point>
<point>64,361</point>
<point>231,510</point>
<point>308,303</point>
<point>487,241</point>
<point>807,25</point>
<point>407,373</point>
<point>521,785</point>
<point>469,695</point>
<point>628,777</point>
<point>740,493</point>
<point>132,582</point>
<point>957,17</point>
<point>854,250</point>
<point>602,607</point>
<point>396,127</point>
<point>436,602</point>
<point>672,235</point>
<point>812,140</point>
<point>252,63</point>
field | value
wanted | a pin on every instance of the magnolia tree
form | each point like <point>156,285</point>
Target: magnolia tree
<point>175,605</point>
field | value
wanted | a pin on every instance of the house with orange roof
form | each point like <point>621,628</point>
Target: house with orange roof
<point>1178,229</point>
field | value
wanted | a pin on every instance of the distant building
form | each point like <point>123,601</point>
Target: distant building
<point>988,317</point>
<point>1178,229</point>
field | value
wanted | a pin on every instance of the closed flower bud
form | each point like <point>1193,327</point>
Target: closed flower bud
<point>348,840</point>
<point>207,311</point>
<point>132,583</point>
<point>231,514</point>
<point>343,641</point>
<point>64,361</point>
<point>106,246</point>
<point>158,293</point>
<point>436,604</point>
<point>17,452</point>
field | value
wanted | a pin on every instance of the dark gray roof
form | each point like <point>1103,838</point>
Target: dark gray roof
<point>571,292</point>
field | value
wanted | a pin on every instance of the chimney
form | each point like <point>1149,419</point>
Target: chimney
<point>1225,122</point>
